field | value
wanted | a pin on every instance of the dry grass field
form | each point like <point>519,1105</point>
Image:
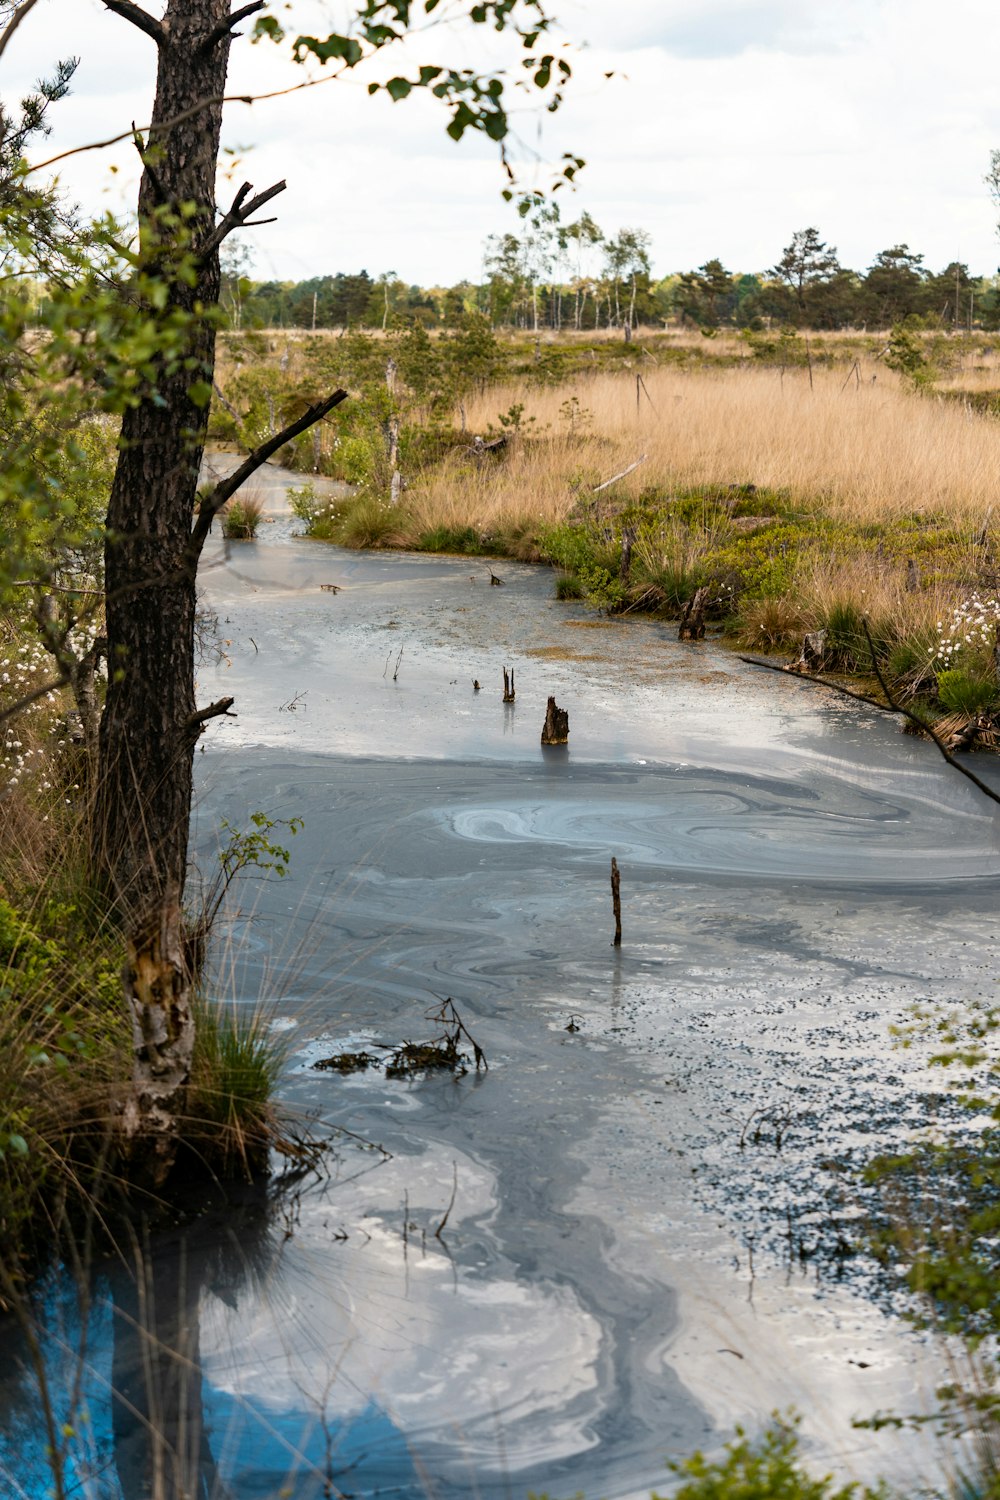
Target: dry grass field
<point>807,486</point>
<point>864,451</point>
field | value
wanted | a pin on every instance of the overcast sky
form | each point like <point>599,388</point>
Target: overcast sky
<point>728,125</point>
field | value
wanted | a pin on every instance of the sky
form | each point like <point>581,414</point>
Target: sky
<point>726,126</point>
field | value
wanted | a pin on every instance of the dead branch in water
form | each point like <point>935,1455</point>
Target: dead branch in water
<point>890,706</point>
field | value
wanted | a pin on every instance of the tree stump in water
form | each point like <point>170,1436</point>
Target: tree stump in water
<point>616,902</point>
<point>812,657</point>
<point>692,626</point>
<point>508,685</point>
<point>555,730</point>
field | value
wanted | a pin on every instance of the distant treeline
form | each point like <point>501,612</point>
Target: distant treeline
<point>573,277</point>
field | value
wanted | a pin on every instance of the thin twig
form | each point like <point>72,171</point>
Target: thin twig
<point>178,119</point>
<point>14,23</point>
<point>451,1204</point>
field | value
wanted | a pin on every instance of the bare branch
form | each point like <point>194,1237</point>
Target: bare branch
<point>140,146</point>
<point>140,18</point>
<point>220,709</point>
<point>185,114</point>
<point>615,477</point>
<point>14,23</point>
<point>240,213</point>
<point>230,408</point>
<point>213,503</point>
<point>891,706</point>
<point>773,666</point>
<point>926,728</point>
<point>218,33</point>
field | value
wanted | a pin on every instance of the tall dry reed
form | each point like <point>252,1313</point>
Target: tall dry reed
<point>865,452</point>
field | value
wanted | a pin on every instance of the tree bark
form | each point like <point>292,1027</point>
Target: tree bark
<point>149,725</point>
<point>692,626</point>
<point>555,730</point>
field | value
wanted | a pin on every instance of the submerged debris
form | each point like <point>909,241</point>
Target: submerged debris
<point>348,1062</point>
<point>442,1052</point>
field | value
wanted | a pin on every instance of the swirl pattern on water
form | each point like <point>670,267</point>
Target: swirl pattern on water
<point>849,835</point>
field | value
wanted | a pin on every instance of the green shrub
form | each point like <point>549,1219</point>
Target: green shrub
<point>241,518</point>
<point>234,1073</point>
<point>568,586</point>
<point>965,691</point>
<point>365,521</point>
<point>761,564</point>
<point>320,516</point>
<point>767,1469</point>
<point>570,545</point>
<point>602,589</point>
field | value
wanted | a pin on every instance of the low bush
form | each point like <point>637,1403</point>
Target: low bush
<point>967,692</point>
<point>568,586</point>
<point>241,517</point>
<point>768,1468</point>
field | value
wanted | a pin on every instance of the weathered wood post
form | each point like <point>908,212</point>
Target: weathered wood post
<point>508,685</point>
<point>692,626</point>
<point>616,902</point>
<point>628,542</point>
<point>555,730</point>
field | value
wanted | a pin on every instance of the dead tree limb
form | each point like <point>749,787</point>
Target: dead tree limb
<point>216,499</point>
<point>773,666</point>
<point>230,408</point>
<point>240,213</point>
<point>615,477</point>
<point>220,708</point>
<point>14,23</point>
<point>228,24</point>
<point>891,706</point>
<point>138,17</point>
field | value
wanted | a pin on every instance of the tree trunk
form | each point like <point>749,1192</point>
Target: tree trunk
<point>148,728</point>
<point>555,730</point>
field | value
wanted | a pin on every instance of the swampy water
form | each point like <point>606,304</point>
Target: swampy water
<point>638,1227</point>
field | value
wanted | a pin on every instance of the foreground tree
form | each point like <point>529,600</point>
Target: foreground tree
<point>155,535</point>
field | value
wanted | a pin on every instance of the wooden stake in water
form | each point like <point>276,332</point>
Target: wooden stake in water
<point>616,901</point>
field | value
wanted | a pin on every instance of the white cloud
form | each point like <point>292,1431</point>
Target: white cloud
<point>728,125</point>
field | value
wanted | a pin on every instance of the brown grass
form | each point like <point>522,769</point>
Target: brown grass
<point>866,452</point>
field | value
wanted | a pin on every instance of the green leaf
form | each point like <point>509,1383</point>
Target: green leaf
<point>200,392</point>
<point>398,88</point>
<point>269,27</point>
